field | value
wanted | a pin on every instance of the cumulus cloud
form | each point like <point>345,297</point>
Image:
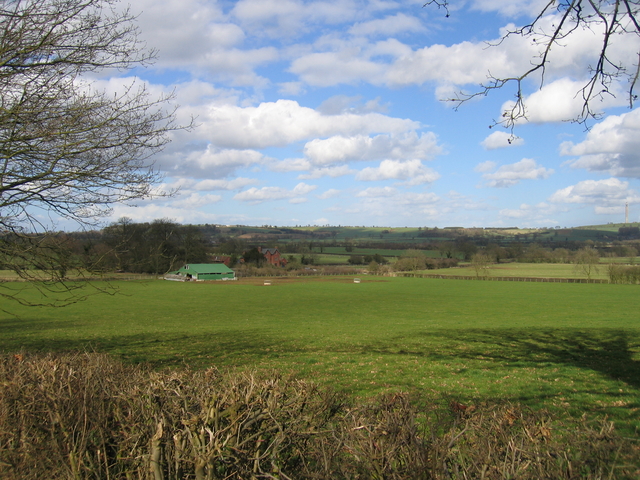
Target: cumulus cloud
<point>209,162</point>
<point>511,8</point>
<point>341,149</point>
<point>198,36</point>
<point>331,193</point>
<point>411,171</point>
<point>377,192</point>
<point>195,200</point>
<point>509,175</point>
<point>285,121</point>
<point>612,145</point>
<point>223,184</point>
<point>390,25</point>
<point>333,172</point>
<point>561,101</point>
<point>255,195</point>
<point>343,103</point>
<point>539,213</point>
<point>290,165</point>
<point>501,140</point>
<point>290,18</point>
<point>485,166</point>
<point>603,194</point>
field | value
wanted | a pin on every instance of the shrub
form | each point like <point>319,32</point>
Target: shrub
<point>81,416</point>
<point>623,273</point>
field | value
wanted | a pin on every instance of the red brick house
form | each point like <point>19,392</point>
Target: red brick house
<point>273,257</point>
<point>226,259</point>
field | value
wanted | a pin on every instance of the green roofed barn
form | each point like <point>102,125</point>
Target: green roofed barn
<point>201,272</point>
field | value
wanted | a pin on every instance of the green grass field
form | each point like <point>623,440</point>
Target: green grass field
<point>534,270</point>
<point>571,348</point>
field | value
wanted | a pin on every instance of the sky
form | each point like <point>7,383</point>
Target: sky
<point>334,112</point>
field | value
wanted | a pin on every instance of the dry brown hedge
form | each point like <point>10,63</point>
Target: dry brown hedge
<point>87,416</point>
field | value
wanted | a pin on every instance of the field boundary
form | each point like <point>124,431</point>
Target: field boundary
<point>502,279</point>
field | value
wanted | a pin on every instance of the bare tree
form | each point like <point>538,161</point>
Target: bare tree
<point>587,261</point>
<point>610,18</point>
<point>69,149</point>
<point>481,263</point>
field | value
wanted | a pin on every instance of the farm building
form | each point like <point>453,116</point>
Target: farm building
<point>202,271</point>
<point>272,256</point>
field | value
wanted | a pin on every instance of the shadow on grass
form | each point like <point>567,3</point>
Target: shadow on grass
<point>607,351</point>
<point>230,348</point>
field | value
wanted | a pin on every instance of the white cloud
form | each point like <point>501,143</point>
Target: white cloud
<point>291,18</point>
<point>333,172</point>
<point>377,192</point>
<point>412,171</point>
<point>602,194</point>
<point>325,69</point>
<point>210,162</point>
<point>531,213</point>
<point>235,184</point>
<point>341,149</point>
<point>612,145</point>
<point>331,193</point>
<point>196,35</point>
<point>291,88</point>
<point>339,104</point>
<point>290,165</point>
<point>511,8</point>
<point>391,25</point>
<point>485,166</point>
<point>255,195</point>
<point>285,121</point>
<point>501,140</point>
<point>195,200</point>
<point>562,101</point>
<point>509,175</point>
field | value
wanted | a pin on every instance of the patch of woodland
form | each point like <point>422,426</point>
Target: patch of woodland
<point>89,416</point>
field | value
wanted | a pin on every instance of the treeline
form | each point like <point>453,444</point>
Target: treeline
<point>126,246</point>
<point>164,245</point>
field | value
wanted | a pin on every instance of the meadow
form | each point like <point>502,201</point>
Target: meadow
<point>533,270</point>
<point>571,348</point>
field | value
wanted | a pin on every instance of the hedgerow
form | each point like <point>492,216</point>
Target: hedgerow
<point>88,416</point>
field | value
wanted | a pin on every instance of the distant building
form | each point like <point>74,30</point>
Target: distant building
<point>201,272</point>
<point>273,257</point>
<point>226,259</point>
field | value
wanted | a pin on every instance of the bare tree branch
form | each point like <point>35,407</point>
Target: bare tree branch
<point>610,18</point>
<point>68,148</point>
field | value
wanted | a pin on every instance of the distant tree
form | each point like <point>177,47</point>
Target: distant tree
<point>411,260</point>
<point>193,247</point>
<point>586,260</point>
<point>612,20</point>
<point>228,246</point>
<point>561,255</point>
<point>481,263</point>
<point>496,252</point>
<point>253,256</point>
<point>445,249</point>
<point>535,253</point>
<point>466,249</point>
<point>356,260</point>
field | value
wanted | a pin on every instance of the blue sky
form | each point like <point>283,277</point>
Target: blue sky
<point>331,112</point>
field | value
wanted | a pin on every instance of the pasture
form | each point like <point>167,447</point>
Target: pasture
<point>533,270</point>
<point>572,348</point>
